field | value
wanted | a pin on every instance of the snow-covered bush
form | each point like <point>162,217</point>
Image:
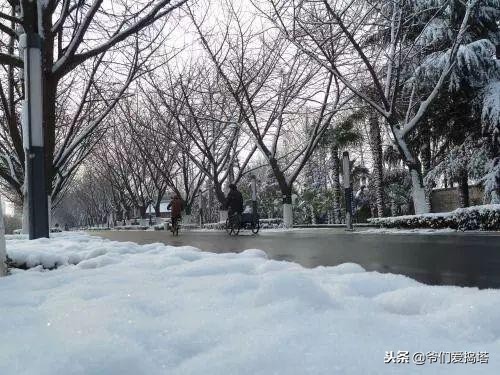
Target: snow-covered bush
<point>131,227</point>
<point>216,226</point>
<point>272,223</point>
<point>160,226</point>
<point>483,218</point>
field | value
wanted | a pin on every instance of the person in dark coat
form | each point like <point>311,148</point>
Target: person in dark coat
<point>234,200</point>
<point>175,207</point>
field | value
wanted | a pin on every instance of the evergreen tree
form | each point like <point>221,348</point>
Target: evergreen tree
<point>471,95</point>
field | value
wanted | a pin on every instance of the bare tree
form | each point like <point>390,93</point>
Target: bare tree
<point>106,43</point>
<point>164,148</point>
<point>200,117</point>
<point>274,85</point>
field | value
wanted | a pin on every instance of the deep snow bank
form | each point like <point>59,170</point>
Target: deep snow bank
<point>155,309</point>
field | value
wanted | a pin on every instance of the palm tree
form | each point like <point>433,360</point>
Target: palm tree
<point>393,160</point>
<point>343,135</point>
<point>376,149</point>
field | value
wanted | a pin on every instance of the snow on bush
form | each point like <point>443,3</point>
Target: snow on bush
<point>121,308</point>
<point>272,223</point>
<point>485,218</point>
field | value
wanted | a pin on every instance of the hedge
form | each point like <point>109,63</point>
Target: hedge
<point>483,218</point>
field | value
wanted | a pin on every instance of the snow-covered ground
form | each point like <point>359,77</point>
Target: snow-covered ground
<point>121,308</point>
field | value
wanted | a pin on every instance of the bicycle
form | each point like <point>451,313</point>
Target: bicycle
<point>236,222</point>
<point>255,224</point>
<point>233,224</point>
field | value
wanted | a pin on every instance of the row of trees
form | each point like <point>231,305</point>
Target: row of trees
<point>278,88</point>
<point>92,53</point>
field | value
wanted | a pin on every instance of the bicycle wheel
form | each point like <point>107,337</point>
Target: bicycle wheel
<point>255,226</point>
<point>236,225</point>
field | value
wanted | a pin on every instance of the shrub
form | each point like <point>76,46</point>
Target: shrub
<point>484,218</point>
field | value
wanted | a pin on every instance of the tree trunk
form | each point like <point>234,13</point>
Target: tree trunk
<point>287,208</point>
<point>394,208</point>
<point>286,192</point>
<point>420,199</point>
<point>211,209</point>
<point>463,188</point>
<point>336,185</point>
<point>313,215</point>
<point>187,214</point>
<point>49,110</point>
<point>26,214</point>
<point>376,148</point>
<point>3,251</point>
<point>142,211</point>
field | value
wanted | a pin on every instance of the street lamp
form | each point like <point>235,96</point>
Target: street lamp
<point>347,190</point>
<point>32,123</point>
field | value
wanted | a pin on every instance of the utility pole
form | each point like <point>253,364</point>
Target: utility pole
<point>30,44</point>
<point>347,190</point>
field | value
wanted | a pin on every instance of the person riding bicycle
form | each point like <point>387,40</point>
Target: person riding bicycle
<point>175,207</point>
<point>234,201</point>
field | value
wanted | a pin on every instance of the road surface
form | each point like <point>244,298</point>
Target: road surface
<point>464,259</point>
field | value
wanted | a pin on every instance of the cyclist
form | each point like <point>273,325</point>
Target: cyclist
<point>175,207</point>
<point>234,201</point>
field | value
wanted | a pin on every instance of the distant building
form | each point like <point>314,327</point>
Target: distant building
<point>164,211</point>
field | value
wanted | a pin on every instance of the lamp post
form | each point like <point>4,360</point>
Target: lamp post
<point>347,190</point>
<point>30,44</point>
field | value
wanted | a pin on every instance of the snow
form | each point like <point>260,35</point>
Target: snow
<point>408,231</point>
<point>2,241</point>
<point>122,308</point>
<point>482,208</point>
<point>491,106</point>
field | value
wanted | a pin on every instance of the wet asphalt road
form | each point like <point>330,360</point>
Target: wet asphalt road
<point>463,259</point>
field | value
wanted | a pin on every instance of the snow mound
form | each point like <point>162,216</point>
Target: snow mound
<point>121,308</point>
<point>69,248</point>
